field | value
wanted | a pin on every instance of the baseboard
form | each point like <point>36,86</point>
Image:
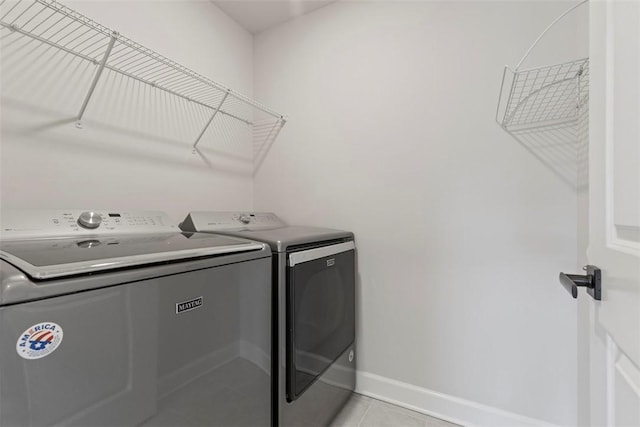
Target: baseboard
<point>439,405</point>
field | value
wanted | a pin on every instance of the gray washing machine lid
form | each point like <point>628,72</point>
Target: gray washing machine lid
<point>59,257</point>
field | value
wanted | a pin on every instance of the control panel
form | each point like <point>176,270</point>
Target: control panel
<point>30,224</point>
<point>218,221</point>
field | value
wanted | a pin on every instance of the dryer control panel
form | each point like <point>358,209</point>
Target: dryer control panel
<point>218,221</point>
<point>29,224</point>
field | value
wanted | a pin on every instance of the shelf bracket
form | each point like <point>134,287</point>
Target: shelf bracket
<point>94,83</point>
<point>215,112</point>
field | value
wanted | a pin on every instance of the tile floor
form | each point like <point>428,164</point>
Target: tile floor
<point>363,411</point>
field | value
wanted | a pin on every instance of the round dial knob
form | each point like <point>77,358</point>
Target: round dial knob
<point>245,219</point>
<point>89,220</point>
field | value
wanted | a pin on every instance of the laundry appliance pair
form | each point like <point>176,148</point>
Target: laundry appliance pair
<point>120,318</point>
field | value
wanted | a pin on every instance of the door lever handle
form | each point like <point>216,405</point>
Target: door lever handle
<point>592,281</point>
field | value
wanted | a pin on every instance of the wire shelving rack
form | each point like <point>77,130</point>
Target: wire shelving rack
<point>544,96</point>
<point>546,110</point>
<point>49,23</point>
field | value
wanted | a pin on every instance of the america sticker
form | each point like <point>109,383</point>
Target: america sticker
<point>40,340</point>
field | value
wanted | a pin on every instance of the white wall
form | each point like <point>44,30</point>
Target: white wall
<point>461,231</point>
<point>135,149</point>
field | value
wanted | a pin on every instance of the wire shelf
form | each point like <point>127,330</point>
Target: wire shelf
<point>543,96</point>
<point>546,110</point>
<point>48,23</point>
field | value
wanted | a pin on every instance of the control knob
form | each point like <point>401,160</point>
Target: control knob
<point>89,220</point>
<point>245,219</point>
<point>88,244</point>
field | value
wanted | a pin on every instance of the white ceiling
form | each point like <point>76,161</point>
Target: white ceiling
<point>258,15</point>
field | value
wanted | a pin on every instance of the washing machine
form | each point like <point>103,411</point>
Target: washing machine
<point>314,311</point>
<point>117,318</point>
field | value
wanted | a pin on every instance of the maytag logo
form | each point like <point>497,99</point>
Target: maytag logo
<point>331,262</point>
<point>192,304</point>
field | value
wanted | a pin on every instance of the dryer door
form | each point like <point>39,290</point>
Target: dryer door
<point>320,312</point>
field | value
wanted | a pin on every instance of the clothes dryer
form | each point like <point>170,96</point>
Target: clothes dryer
<point>314,311</point>
<point>115,318</point>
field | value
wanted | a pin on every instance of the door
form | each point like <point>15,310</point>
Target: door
<point>320,312</point>
<point>614,213</point>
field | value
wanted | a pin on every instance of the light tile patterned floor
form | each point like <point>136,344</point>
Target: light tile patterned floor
<point>362,411</point>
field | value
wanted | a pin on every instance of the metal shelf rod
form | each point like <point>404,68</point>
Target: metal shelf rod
<point>95,49</point>
<point>23,12</point>
<point>526,98</point>
<point>210,120</point>
<point>179,95</point>
<point>10,10</point>
<point>45,41</point>
<point>59,42</point>
<point>58,8</point>
<point>566,12</point>
<point>77,45</point>
<point>97,76</point>
<point>114,69</point>
<point>163,73</point>
<point>233,116</point>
